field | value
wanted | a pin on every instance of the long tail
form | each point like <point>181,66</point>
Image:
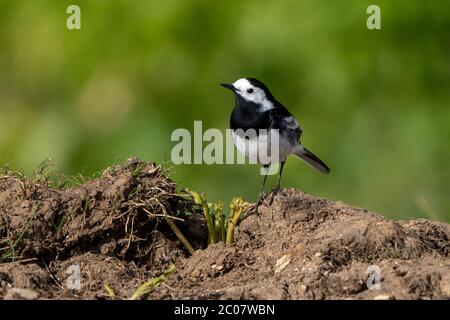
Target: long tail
<point>311,159</point>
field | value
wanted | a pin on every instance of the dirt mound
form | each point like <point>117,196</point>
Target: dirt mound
<point>302,247</point>
<point>112,231</point>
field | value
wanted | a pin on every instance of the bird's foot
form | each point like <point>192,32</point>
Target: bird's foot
<point>273,193</point>
<point>253,209</point>
<point>261,197</point>
<point>275,190</point>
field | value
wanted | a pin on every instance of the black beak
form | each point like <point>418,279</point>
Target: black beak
<point>228,86</point>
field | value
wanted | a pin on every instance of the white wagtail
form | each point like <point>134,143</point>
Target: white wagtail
<point>256,108</point>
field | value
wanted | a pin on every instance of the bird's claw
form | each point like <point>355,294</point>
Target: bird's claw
<point>275,190</point>
<point>273,193</point>
<point>261,197</point>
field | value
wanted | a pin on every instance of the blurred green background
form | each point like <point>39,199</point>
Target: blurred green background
<point>374,105</point>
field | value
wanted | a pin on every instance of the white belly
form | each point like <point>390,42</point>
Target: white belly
<point>268,148</point>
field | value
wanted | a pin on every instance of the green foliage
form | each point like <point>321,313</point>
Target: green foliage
<point>220,225</point>
<point>110,291</point>
<point>374,105</point>
<point>145,288</point>
<point>148,286</point>
<point>9,251</point>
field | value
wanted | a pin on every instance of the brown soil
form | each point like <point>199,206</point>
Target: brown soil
<point>300,247</point>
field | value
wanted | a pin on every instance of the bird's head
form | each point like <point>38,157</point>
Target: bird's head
<point>252,90</point>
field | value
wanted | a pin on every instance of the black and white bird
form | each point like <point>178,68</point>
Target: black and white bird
<point>256,108</point>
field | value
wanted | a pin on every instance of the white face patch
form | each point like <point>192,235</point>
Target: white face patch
<point>253,94</point>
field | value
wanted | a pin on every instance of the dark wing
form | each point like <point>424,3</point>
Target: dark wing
<point>283,120</point>
<point>291,123</point>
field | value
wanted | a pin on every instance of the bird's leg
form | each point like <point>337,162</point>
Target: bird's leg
<point>261,191</point>
<point>277,187</point>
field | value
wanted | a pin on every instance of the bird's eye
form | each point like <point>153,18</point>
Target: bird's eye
<point>250,90</point>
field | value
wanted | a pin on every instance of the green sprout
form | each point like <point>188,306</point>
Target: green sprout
<point>220,226</point>
<point>148,286</point>
<point>110,291</point>
<point>143,289</point>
